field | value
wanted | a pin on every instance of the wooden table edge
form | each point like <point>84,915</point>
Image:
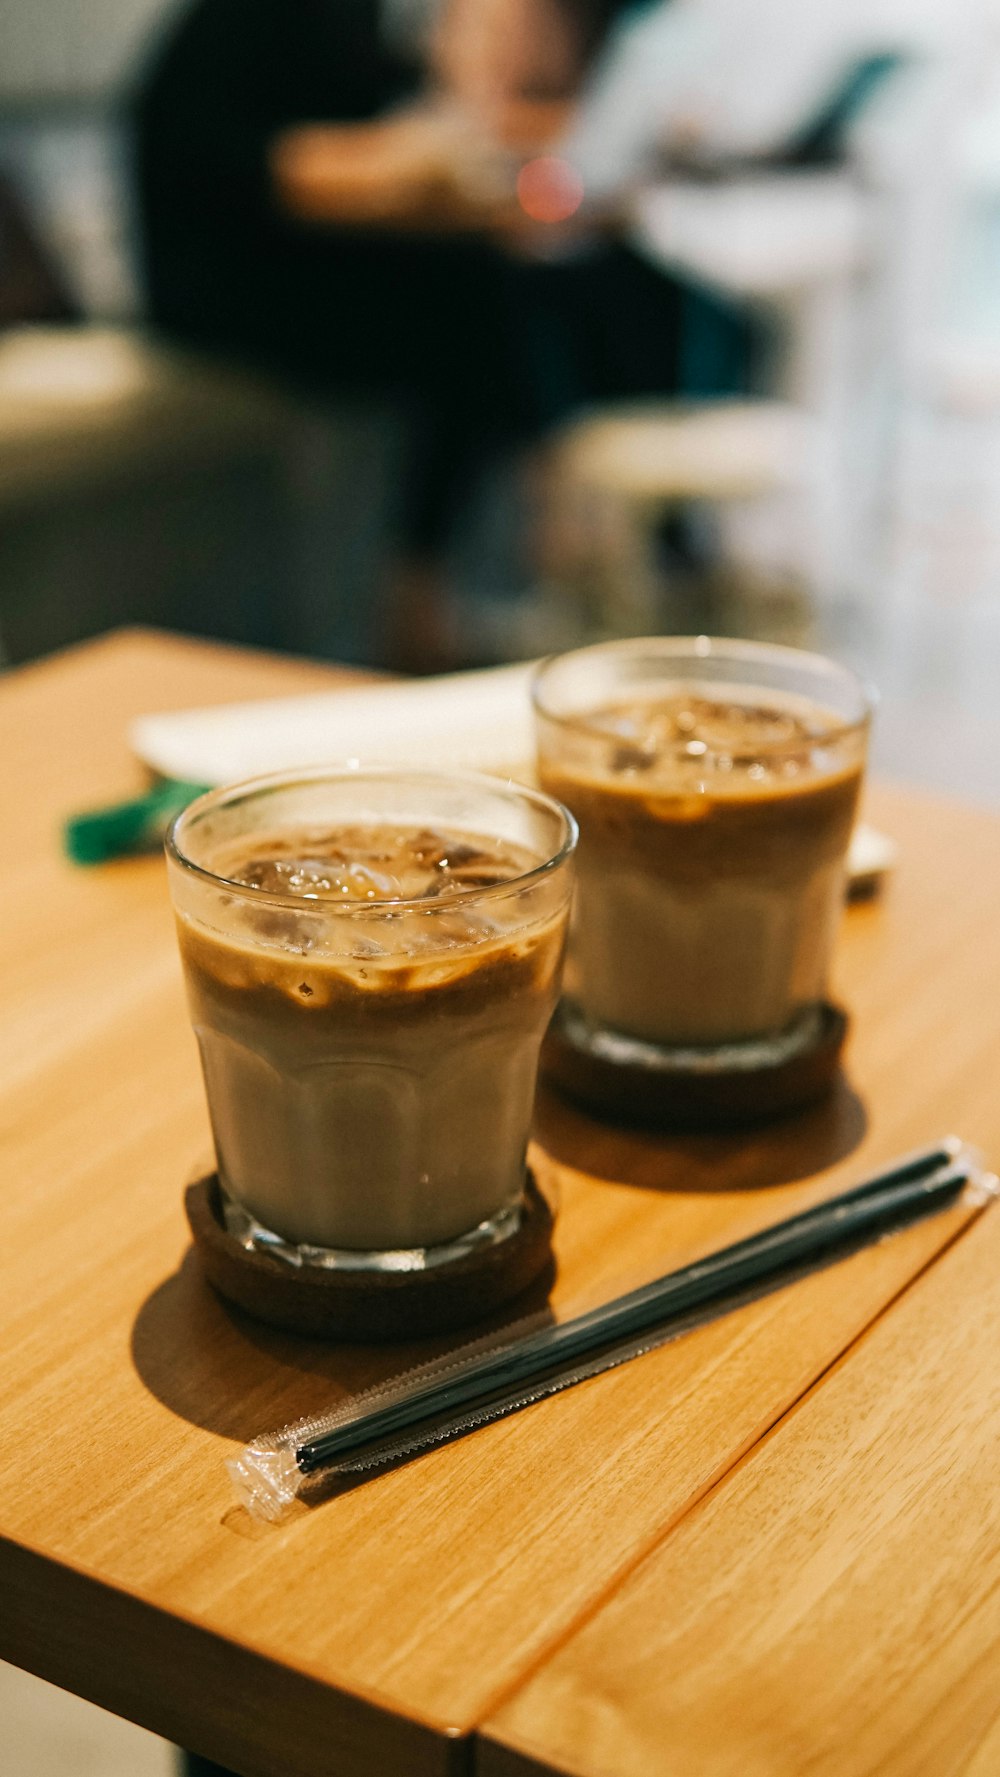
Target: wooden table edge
<point>271,1713</point>
<point>496,1758</point>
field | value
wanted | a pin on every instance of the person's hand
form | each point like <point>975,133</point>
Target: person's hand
<point>429,163</point>
<point>434,165</point>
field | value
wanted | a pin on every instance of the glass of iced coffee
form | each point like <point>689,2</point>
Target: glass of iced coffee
<point>715,785</point>
<point>371,959</point>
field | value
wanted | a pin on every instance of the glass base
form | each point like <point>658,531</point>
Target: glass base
<point>711,1087</point>
<point>252,1235</point>
<point>750,1054</point>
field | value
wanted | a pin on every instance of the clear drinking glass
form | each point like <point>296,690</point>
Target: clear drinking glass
<point>370,1056</point>
<point>715,785</point>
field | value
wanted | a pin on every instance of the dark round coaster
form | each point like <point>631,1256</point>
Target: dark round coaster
<point>369,1307</point>
<point>727,1087</point>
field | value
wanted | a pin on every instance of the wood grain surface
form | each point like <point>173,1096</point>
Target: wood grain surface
<point>833,1607</point>
<point>387,1624</point>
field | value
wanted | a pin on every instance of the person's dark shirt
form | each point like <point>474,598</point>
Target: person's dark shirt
<point>220,85</point>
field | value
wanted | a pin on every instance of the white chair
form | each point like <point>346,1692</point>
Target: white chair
<point>776,469</point>
<point>847,263</point>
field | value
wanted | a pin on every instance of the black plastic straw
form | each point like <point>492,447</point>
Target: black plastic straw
<point>915,1186</point>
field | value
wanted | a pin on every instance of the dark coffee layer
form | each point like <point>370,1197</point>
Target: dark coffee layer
<point>370,961</point>
<point>321,990</point>
<point>773,830</point>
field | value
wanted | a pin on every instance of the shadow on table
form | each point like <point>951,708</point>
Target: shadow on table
<point>774,1153</point>
<point>217,1368</point>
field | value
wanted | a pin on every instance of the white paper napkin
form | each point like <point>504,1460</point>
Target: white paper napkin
<point>477,720</point>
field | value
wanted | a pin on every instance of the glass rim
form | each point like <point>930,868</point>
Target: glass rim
<point>703,647</point>
<point>244,789</point>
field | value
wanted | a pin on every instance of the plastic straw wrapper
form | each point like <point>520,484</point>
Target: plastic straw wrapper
<point>532,1360</point>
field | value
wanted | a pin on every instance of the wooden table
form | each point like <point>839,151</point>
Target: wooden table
<point>769,1548</point>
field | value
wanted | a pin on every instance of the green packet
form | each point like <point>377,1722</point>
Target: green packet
<point>124,828</point>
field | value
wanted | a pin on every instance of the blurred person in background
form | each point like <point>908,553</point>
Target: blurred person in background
<point>324,192</point>
<point>327,191</point>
